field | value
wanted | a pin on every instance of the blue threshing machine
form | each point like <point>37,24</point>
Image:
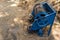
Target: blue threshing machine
<point>43,19</point>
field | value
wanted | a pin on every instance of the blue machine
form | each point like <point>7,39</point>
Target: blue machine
<point>43,20</point>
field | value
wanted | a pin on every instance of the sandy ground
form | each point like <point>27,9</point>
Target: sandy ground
<point>14,22</point>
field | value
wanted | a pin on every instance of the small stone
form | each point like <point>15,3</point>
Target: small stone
<point>3,14</point>
<point>21,21</point>
<point>13,5</point>
<point>13,25</point>
<point>16,19</point>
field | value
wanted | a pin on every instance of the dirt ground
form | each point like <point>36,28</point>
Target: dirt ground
<point>14,21</point>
